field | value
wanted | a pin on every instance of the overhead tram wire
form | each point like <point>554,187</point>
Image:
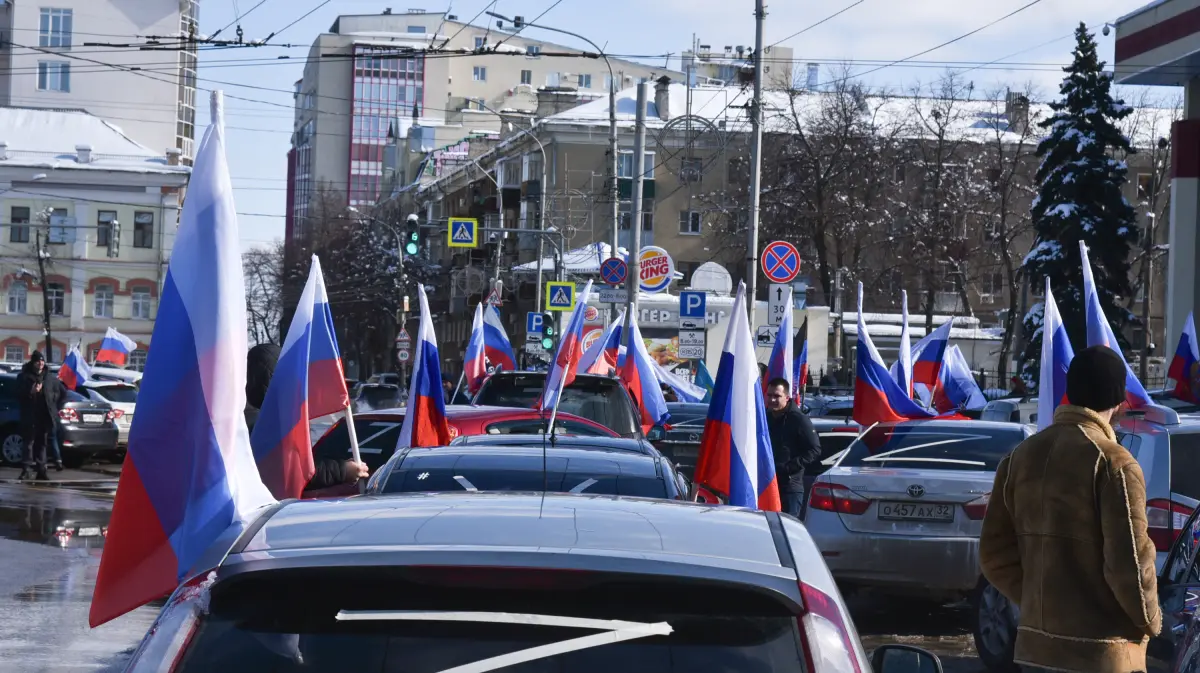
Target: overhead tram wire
<point>811,26</point>
<point>526,23</point>
<point>238,17</point>
<point>302,17</point>
<point>468,23</point>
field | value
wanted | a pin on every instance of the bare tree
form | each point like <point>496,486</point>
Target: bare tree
<point>263,269</point>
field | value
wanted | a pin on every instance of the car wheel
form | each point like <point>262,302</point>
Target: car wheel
<point>995,628</point>
<point>12,450</point>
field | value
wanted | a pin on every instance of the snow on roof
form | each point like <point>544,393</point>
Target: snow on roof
<point>47,139</point>
<point>973,333</point>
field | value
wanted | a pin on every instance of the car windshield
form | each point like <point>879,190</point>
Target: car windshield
<point>596,399</point>
<point>917,445</point>
<point>302,621</point>
<point>73,396</point>
<point>376,440</point>
<point>379,396</point>
<point>1185,464</point>
<point>441,471</point>
<point>119,394</point>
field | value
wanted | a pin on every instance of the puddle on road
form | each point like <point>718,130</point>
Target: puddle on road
<point>63,527</point>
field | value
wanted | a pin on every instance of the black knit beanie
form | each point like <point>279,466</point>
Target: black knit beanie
<point>1096,379</point>
<point>260,367</point>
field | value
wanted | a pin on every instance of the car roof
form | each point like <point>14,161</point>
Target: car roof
<point>835,424</point>
<point>565,441</point>
<point>462,527</point>
<point>468,456</point>
<point>953,424</point>
<point>578,377</point>
<point>109,384</point>
<point>463,412</point>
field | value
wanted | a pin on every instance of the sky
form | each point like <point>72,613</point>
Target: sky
<point>1028,48</point>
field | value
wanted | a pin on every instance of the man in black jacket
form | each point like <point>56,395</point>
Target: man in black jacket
<point>794,443</point>
<point>41,396</point>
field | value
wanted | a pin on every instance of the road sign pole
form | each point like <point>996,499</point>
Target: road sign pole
<point>634,278</point>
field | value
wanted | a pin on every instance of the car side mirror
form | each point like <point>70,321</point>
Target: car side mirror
<point>904,659</point>
<point>656,434</point>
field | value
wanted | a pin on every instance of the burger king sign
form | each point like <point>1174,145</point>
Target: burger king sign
<point>657,269</point>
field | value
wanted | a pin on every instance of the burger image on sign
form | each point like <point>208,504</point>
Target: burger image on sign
<point>590,336</point>
<point>591,314</point>
<point>657,269</point>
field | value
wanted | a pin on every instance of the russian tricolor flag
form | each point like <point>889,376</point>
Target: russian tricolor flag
<point>903,371</point>
<point>1056,360</point>
<point>308,383</point>
<point>800,371</point>
<point>189,474</point>
<point>115,348</point>
<point>601,357</point>
<point>735,450</point>
<point>425,418</point>
<point>956,388</point>
<point>488,343</point>
<point>566,360</point>
<point>929,354</point>
<point>640,380</point>
<point>1099,333</point>
<point>781,364</point>
<point>75,370</point>
<point>877,396</point>
<point>1183,365</point>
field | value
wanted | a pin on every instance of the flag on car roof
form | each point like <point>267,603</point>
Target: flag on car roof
<point>1099,333</point>
<point>601,357</point>
<point>496,346</point>
<point>686,391</point>
<point>735,449</point>
<point>956,387</point>
<point>877,396</point>
<point>308,383</point>
<point>640,380</point>
<point>189,473</point>
<point>800,370</point>
<point>425,421</point>
<point>1056,360</point>
<point>929,354</point>
<point>781,364</point>
<point>566,359</point>
<point>115,348</point>
<point>705,380</point>
<point>1184,370</point>
<point>475,365</point>
<point>75,370</point>
<point>903,371</point>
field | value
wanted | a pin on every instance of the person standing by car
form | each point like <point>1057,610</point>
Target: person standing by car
<point>40,397</point>
<point>1064,536</point>
<point>794,443</point>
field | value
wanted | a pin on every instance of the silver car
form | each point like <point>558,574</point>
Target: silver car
<point>902,509</point>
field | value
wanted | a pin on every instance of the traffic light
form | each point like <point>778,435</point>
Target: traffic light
<point>114,239</point>
<point>549,332</point>
<point>413,242</point>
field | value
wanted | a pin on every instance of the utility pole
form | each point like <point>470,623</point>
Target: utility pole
<point>41,260</point>
<point>760,13</point>
<point>1147,289</point>
<point>837,310</point>
<point>634,280</point>
<point>614,192</point>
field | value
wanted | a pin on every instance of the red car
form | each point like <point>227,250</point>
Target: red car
<point>379,430</point>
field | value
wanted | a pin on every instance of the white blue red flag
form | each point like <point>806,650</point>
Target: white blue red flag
<point>800,371</point>
<point>781,364</point>
<point>425,421</point>
<point>308,383</point>
<point>601,357</point>
<point>640,380</point>
<point>570,351</point>
<point>75,370</point>
<point>475,364</point>
<point>115,348</point>
<point>684,389</point>
<point>1099,333</point>
<point>956,388</point>
<point>1056,360</point>
<point>189,474</point>
<point>488,344</point>
<point>903,371</point>
<point>1184,370</point>
<point>877,396</point>
<point>735,449</point>
<point>929,354</point>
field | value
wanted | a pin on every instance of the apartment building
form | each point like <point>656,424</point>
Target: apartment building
<point>372,76</point>
<point>734,65</point>
<point>58,54</point>
<point>102,209</point>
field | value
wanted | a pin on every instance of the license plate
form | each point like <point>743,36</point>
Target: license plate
<point>93,418</point>
<point>89,532</point>
<point>916,511</point>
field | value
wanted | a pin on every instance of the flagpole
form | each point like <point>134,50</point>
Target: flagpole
<point>554,412</point>
<point>457,387</point>
<point>353,434</point>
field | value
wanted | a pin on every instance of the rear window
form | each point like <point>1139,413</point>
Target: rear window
<point>73,396</point>
<point>833,443</point>
<point>599,400</point>
<point>118,394</point>
<point>537,426</point>
<point>506,472</point>
<point>1185,464</point>
<point>942,448</point>
<point>380,396</point>
<point>376,441</point>
<point>287,624</point>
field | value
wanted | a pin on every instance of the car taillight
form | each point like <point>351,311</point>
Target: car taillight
<point>837,498</point>
<point>68,415</point>
<point>167,640</point>
<point>115,414</point>
<point>828,645</point>
<point>1164,521</point>
<point>977,508</point>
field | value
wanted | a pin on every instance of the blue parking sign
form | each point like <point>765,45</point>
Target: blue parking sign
<point>692,304</point>
<point>533,323</point>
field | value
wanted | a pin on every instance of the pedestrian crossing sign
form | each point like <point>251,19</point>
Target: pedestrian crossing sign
<point>560,296</point>
<point>463,232</point>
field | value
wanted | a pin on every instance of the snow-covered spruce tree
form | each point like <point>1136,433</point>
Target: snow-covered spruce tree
<point>1079,199</point>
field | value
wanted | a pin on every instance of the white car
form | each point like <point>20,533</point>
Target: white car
<point>123,398</point>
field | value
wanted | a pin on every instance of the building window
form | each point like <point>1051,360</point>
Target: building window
<point>479,73</point>
<point>60,229</point>
<point>689,222</point>
<point>137,359</point>
<point>18,297</point>
<point>14,354</point>
<point>141,303</point>
<point>585,81</point>
<point>55,29</point>
<point>553,79</point>
<point>103,298</point>
<point>54,76</point>
<point>480,42</point>
<point>608,81</point>
<point>17,233</point>
<point>691,169</point>
<point>527,77</point>
<point>143,229</point>
<point>56,298</point>
<point>418,30</point>
<point>1145,186</point>
<point>533,50</point>
<point>898,174</point>
<point>625,165</point>
<point>647,214</point>
<point>104,223</point>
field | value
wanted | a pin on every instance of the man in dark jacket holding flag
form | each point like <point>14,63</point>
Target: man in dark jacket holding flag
<point>40,396</point>
<point>794,443</point>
